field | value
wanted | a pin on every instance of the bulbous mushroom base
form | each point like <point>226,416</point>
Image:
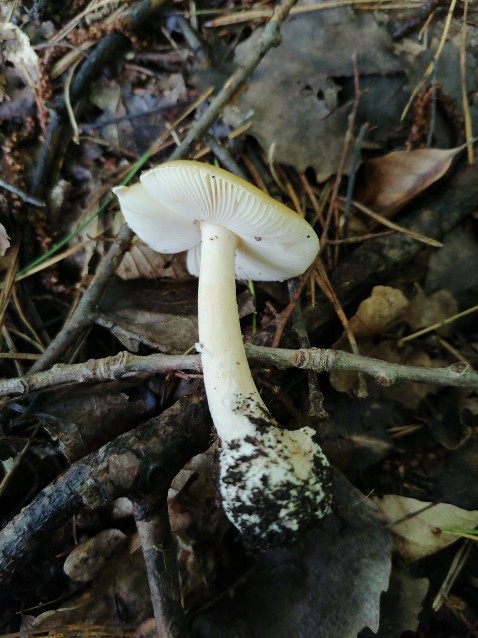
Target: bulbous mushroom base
<point>274,484</point>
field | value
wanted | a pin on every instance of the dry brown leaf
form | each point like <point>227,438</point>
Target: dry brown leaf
<point>391,181</point>
<point>142,262</point>
<point>88,559</point>
<point>121,585</point>
<point>84,420</point>
<point>158,315</point>
<point>295,98</point>
<point>374,316</point>
<point>424,311</point>
<point>379,312</point>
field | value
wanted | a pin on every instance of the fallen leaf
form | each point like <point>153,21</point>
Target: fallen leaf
<point>401,604</point>
<point>375,316</point>
<point>304,590</point>
<point>4,240</point>
<point>16,49</point>
<point>425,310</point>
<point>121,585</point>
<point>153,313</point>
<point>88,559</point>
<point>84,420</point>
<point>379,312</point>
<point>130,119</point>
<point>294,98</point>
<point>390,182</point>
<point>421,535</point>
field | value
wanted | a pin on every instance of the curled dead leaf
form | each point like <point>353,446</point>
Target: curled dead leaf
<point>392,181</point>
<point>16,49</point>
<point>377,314</point>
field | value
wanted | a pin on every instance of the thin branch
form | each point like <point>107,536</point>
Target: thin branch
<point>24,196</point>
<point>160,555</point>
<point>348,138</point>
<point>323,282</point>
<point>316,397</point>
<point>126,365</point>
<point>384,373</point>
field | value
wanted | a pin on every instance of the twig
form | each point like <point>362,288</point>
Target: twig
<point>21,194</point>
<point>68,106</point>
<point>438,324</point>
<point>431,67</point>
<point>225,157</point>
<point>126,365</point>
<point>344,155</point>
<point>428,241</point>
<point>239,16</point>
<point>286,313</point>
<point>384,373</point>
<point>18,460</point>
<point>144,460</point>
<point>353,174</point>
<point>464,92</point>
<point>316,398</point>
<point>323,282</point>
<point>455,570</point>
<point>160,555</point>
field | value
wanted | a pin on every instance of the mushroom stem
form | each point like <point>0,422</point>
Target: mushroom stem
<point>274,483</point>
<point>227,376</point>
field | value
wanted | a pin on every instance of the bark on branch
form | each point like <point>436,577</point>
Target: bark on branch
<point>143,461</point>
<point>126,365</point>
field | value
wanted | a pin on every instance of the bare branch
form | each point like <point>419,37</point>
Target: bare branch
<point>126,365</point>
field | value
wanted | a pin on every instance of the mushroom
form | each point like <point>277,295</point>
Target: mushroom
<point>274,483</point>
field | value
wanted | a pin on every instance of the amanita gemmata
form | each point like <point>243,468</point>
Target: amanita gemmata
<point>274,483</point>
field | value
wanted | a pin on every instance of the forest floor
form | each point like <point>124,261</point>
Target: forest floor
<point>360,116</point>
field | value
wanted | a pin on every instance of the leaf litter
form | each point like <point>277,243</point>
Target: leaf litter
<point>407,439</point>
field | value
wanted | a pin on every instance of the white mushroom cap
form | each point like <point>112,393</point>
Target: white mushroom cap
<point>166,210</point>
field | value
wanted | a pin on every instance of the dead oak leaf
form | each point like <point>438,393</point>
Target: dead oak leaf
<point>294,97</point>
